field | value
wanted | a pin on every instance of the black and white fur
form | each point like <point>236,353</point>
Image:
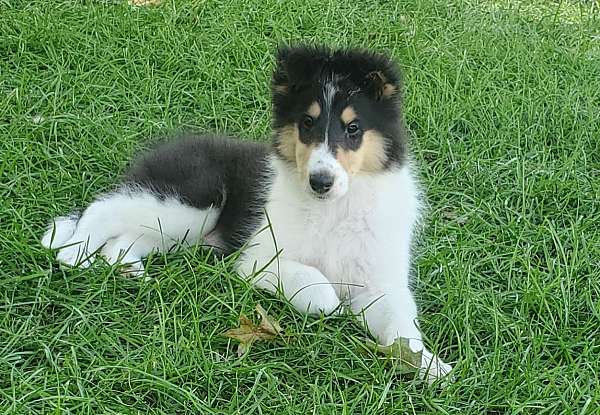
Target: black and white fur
<point>324,216</point>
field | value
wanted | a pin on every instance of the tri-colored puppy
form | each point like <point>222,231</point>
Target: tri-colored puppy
<point>324,215</point>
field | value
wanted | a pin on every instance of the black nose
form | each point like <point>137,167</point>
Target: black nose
<point>321,182</point>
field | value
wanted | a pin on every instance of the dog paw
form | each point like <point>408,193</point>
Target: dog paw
<point>433,368</point>
<point>316,297</point>
<point>120,250</point>
<point>75,256</point>
<point>133,269</point>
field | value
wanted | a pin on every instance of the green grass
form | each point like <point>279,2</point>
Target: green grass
<point>504,102</point>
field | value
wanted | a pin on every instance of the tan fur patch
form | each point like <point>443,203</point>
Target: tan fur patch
<point>280,89</point>
<point>369,158</point>
<point>348,115</point>
<point>292,148</point>
<point>314,110</point>
<point>303,152</point>
<point>388,90</point>
<point>289,136</point>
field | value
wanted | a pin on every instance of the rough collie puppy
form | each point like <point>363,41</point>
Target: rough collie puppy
<point>324,216</point>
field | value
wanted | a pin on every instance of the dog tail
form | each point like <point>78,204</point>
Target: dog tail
<point>60,231</point>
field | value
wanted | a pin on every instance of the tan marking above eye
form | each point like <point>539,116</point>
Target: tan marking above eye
<point>314,110</point>
<point>348,115</point>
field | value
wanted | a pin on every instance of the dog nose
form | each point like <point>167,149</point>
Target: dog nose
<point>321,182</point>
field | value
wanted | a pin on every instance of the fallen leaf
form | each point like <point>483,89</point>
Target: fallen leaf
<point>247,333</point>
<point>400,350</point>
<point>267,323</point>
<point>144,2</point>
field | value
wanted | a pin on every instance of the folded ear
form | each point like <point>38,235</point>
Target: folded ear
<point>378,85</point>
<point>297,66</point>
<point>280,81</point>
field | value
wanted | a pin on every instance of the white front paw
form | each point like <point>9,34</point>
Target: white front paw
<point>433,368</point>
<point>317,297</point>
<point>120,250</point>
<point>75,255</point>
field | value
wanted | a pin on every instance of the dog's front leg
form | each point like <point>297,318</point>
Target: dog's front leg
<point>392,313</point>
<point>304,286</point>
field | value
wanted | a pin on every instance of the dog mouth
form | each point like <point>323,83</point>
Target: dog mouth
<point>330,195</point>
<point>320,197</point>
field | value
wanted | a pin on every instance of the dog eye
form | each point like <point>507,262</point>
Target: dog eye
<point>308,122</point>
<point>352,128</point>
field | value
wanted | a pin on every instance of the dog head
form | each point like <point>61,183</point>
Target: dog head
<point>336,115</point>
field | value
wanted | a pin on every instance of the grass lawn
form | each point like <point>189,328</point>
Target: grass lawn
<point>503,99</point>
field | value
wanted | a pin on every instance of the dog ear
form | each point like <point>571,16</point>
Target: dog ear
<point>280,82</point>
<point>300,65</point>
<point>377,74</point>
<point>296,67</point>
<point>380,86</point>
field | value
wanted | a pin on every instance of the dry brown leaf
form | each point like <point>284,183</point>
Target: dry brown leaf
<point>144,2</point>
<point>400,350</point>
<point>267,323</point>
<point>247,333</point>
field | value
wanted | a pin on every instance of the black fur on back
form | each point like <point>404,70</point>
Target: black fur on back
<point>208,170</point>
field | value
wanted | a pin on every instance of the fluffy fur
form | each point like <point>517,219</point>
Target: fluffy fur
<point>324,216</point>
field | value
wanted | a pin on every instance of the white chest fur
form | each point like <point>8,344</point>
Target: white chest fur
<point>352,240</point>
